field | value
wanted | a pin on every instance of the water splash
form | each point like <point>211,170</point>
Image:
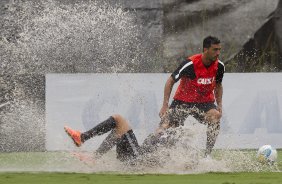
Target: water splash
<point>39,37</point>
<point>48,36</point>
<point>185,157</point>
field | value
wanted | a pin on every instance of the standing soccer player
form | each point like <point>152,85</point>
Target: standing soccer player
<point>200,87</point>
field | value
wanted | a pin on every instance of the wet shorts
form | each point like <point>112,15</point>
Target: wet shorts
<point>127,147</point>
<point>179,111</point>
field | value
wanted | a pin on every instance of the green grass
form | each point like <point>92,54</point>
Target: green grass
<point>209,178</point>
<point>50,167</point>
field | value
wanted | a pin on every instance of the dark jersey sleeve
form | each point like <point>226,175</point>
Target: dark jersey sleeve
<point>220,72</point>
<point>186,68</point>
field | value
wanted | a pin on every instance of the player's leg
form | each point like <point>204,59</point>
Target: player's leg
<point>117,134</point>
<point>206,113</point>
<point>212,115</point>
<point>108,143</point>
<point>212,134</point>
<point>175,116</point>
<point>115,122</point>
<point>127,147</point>
<point>213,122</point>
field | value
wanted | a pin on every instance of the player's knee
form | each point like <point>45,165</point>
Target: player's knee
<point>119,119</point>
<point>213,116</point>
<point>122,126</point>
<point>217,116</point>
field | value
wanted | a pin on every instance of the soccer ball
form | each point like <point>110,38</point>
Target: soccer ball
<point>267,154</point>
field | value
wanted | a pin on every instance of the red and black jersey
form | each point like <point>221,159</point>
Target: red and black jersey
<point>198,81</point>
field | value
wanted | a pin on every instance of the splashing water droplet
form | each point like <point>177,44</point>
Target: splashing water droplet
<point>57,37</point>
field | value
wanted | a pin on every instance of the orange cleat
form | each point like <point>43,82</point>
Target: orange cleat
<point>75,135</point>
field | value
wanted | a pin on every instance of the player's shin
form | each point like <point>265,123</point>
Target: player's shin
<point>212,134</point>
<point>100,129</point>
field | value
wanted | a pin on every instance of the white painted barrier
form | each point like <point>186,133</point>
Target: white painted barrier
<point>251,104</point>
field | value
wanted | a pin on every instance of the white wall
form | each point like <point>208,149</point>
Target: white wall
<point>251,103</point>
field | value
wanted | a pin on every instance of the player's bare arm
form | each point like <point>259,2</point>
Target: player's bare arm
<point>167,91</point>
<point>218,97</point>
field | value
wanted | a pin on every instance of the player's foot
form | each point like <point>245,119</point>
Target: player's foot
<point>75,135</point>
<point>207,152</point>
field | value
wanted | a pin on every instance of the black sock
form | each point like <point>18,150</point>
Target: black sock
<point>100,129</point>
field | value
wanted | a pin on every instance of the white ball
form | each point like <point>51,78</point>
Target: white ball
<point>267,154</point>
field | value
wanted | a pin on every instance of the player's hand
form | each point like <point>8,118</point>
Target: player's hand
<point>162,128</point>
<point>163,111</point>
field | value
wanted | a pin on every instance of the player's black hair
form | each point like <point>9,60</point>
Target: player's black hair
<point>208,41</point>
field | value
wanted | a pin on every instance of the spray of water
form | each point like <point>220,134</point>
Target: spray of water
<point>184,157</point>
<point>187,156</point>
<point>39,37</point>
<point>47,36</point>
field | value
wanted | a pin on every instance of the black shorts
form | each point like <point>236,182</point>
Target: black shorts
<point>130,153</point>
<point>127,147</point>
<point>179,111</point>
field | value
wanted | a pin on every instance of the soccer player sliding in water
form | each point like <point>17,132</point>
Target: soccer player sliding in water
<point>122,136</point>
